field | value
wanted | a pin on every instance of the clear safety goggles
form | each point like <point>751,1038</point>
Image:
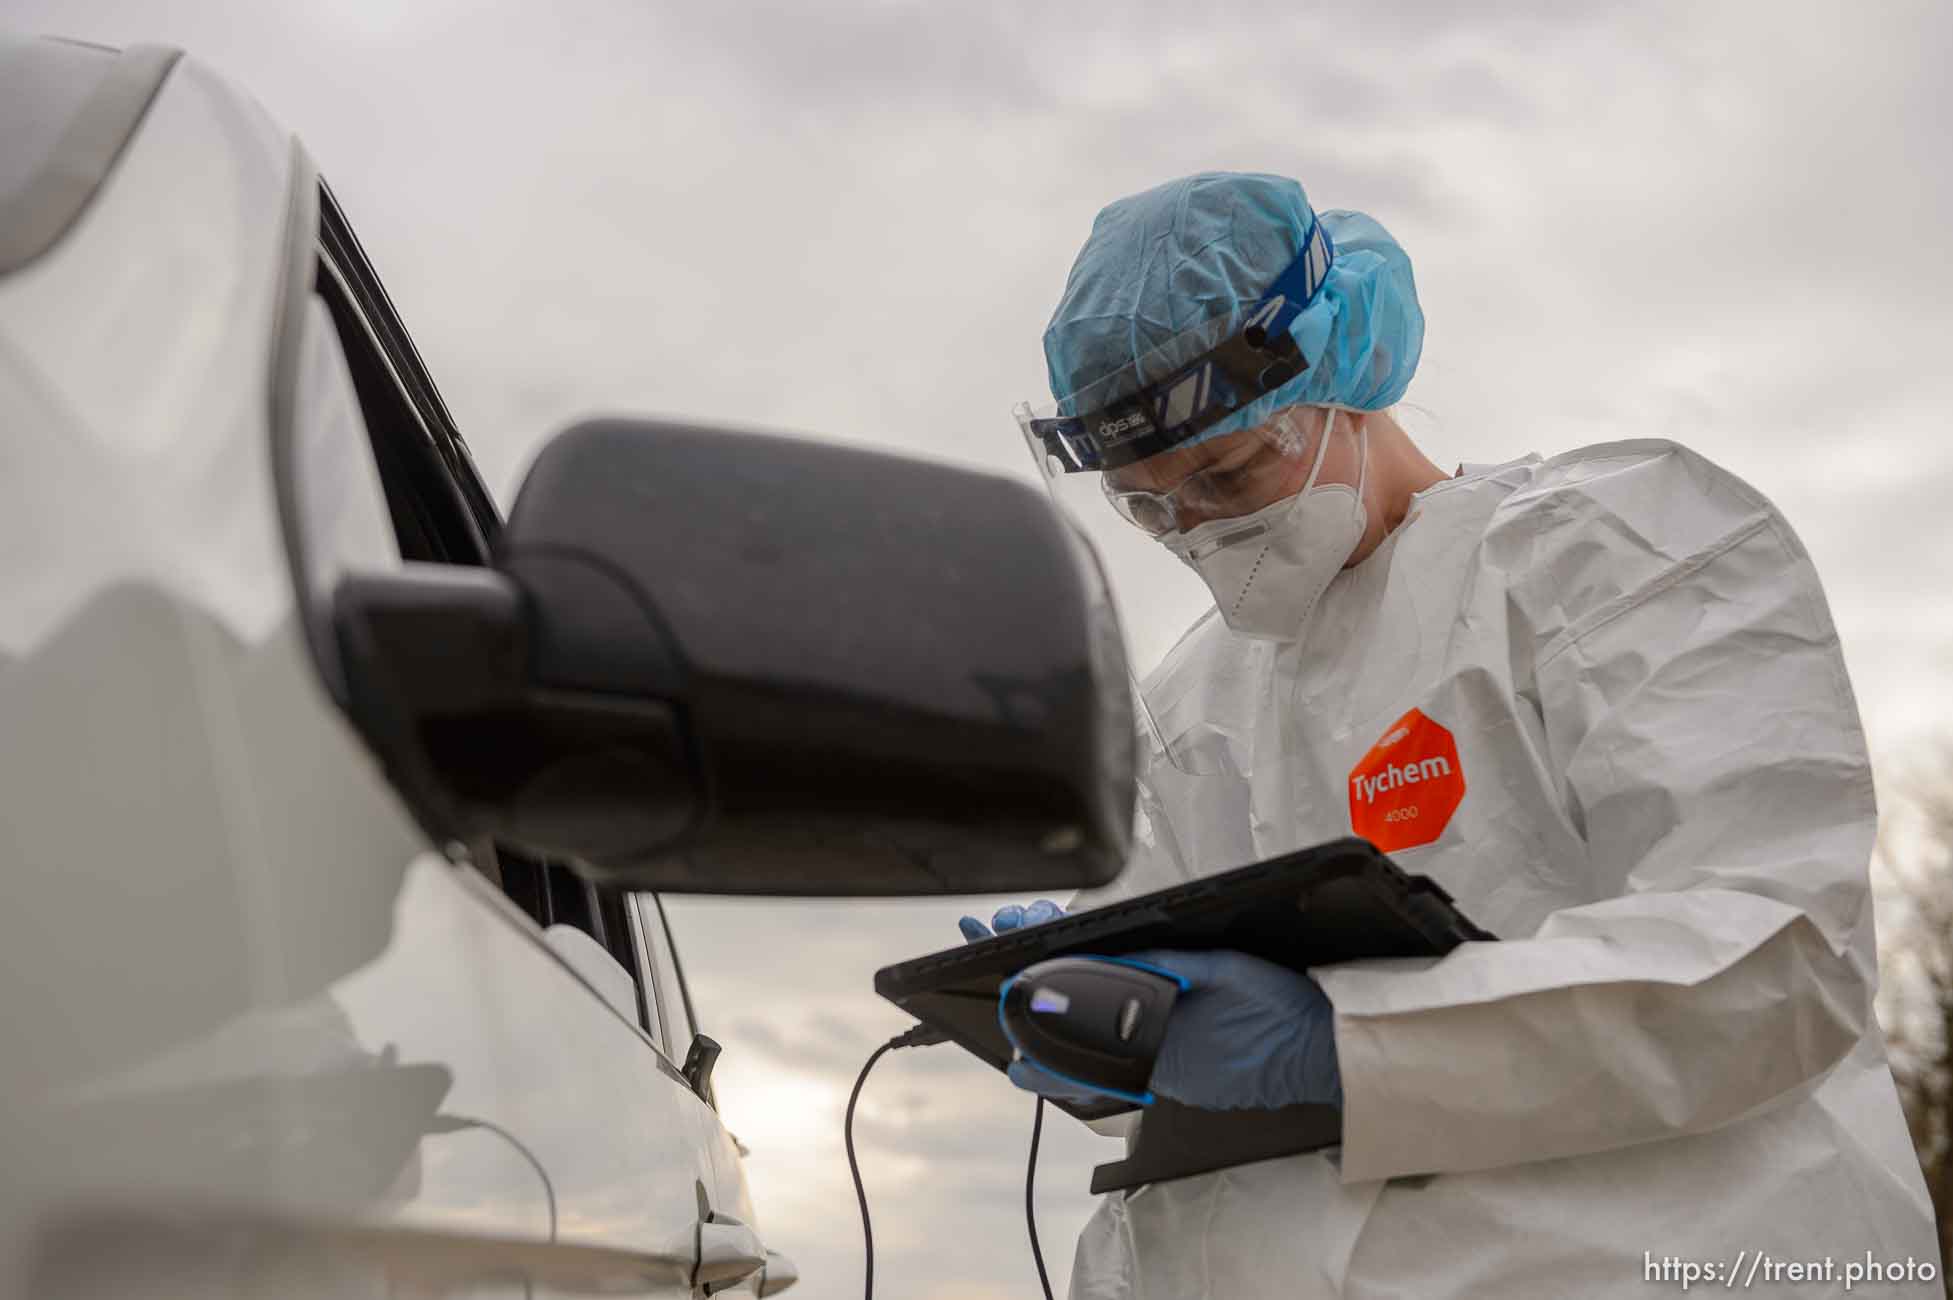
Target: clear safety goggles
<point>1228,477</point>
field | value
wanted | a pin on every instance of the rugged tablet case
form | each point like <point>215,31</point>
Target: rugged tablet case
<point>1339,901</point>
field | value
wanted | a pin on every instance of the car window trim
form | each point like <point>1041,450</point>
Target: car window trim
<point>674,1049</point>
<point>650,987</point>
<point>677,964</point>
<point>375,346</point>
<point>372,303</point>
<point>294,291</point>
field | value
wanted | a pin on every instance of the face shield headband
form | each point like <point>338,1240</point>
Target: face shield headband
<point>1146,418</point>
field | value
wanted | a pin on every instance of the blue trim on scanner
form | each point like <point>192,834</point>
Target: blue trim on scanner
<point>1184,983</point>
<point>1138,1098</point>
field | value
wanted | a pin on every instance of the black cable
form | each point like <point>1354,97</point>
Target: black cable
<point>1030,1204</point>
<point>920,1036</point>
<point>847,1137</point>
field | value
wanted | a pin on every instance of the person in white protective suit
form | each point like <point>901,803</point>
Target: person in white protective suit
<point>1598,697</point>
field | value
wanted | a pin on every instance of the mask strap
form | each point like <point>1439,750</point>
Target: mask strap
<point>1362,453</point>
<point>1362,459</point>
<point>1322,451</point>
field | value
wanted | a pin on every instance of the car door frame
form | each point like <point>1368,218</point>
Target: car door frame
<point>459,528</point>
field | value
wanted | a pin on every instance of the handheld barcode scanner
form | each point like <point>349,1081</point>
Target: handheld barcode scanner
<point>1096,1021</point>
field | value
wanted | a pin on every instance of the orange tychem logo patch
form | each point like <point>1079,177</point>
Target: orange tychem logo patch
<point>1403,792</point>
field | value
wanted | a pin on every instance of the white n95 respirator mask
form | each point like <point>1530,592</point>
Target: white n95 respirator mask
<point>1268,569</point>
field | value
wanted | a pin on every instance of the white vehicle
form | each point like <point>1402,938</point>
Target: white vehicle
<point>333,805</point>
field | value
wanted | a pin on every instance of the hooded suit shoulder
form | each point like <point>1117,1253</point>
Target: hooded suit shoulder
<point>1588,529</point>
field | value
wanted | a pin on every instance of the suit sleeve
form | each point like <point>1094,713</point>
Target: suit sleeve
<point>1709,750</point>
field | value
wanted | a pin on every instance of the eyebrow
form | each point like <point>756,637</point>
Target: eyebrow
<point>1151,481</point>
<point>1215,456</point>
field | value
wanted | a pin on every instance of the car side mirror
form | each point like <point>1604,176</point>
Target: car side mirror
<point>724,662</point>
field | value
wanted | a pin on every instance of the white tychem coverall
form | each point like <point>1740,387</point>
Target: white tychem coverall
<point>1599,698</point>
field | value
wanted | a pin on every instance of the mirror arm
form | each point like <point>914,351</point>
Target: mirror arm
<point>421,643</point>
<point>438,667</point>
<point>700,1060</point>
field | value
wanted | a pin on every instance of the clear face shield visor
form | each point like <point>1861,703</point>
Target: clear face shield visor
<point>1126,460</point>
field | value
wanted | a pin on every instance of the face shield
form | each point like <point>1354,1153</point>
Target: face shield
<point>1142,455</point>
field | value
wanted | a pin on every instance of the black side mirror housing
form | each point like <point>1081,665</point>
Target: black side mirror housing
<point>723,662</point>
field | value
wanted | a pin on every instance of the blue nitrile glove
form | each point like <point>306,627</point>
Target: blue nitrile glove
<point>1012,916</point>
<point>1246,1034</point>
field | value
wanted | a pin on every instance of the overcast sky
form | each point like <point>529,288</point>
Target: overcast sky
<point>1720,223</point>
